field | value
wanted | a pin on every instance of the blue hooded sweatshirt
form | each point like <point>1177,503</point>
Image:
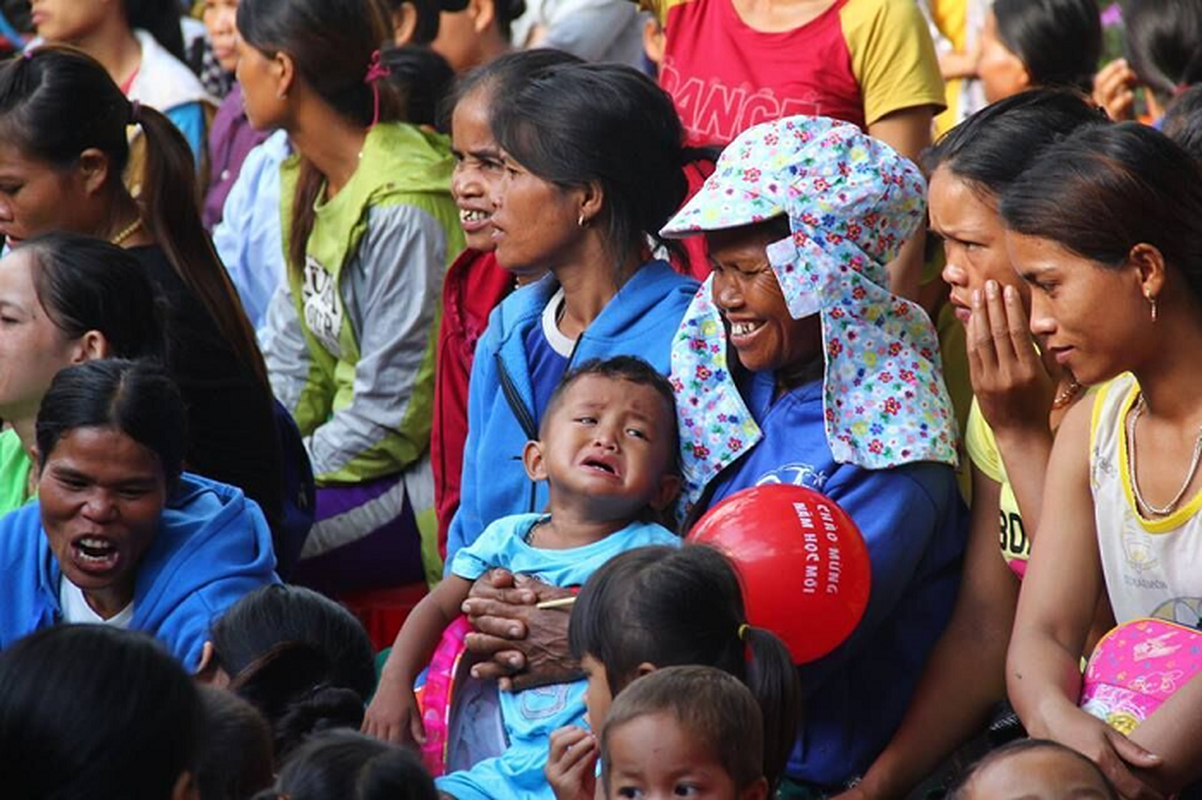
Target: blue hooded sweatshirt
<point>213,547</point>
<point>641,320</point>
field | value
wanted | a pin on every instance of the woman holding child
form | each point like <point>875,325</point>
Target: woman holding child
<point>798,281</point>
<point>592,157</point>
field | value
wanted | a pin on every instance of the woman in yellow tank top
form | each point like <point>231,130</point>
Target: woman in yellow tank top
<point>1018,397</point>
<point>1104,227</point>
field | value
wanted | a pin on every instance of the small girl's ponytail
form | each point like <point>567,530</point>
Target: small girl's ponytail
<point>679,606</point>
<point>772,678</point>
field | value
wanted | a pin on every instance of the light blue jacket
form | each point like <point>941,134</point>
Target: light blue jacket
<point>213,547</point>
<point>640,320</point>
<point>249,239</point>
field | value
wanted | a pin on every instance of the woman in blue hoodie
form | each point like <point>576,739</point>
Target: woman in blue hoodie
<point>592,157</point>
<point>120,535</point>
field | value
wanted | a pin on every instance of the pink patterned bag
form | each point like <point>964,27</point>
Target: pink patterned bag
<point>436,697</point>
<point>1136,667</point>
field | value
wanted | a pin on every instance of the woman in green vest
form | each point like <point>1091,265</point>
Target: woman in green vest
<point>369,227</point>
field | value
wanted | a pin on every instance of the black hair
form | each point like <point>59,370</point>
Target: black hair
<point>674,606</point>
<point>332,43</point>
<point>160,18</point>
<point>575,124</point>
<point>1105,189</point>
<point>631,369</point>
<point>423,78</point>
<point>96,712</point>
<point>504,75</point>
<point>1183,121</point>
<point>1058,41</point>
<point>57,102</point>
<point>303,660</point>
<point>961,789</point>
<point>350,766</point>
<point>506,12</point>
<point>428,11</point>
<point>1164,44</point>
<point>714,707</point>
<point>136,398</point>
<point>235,756</point>
<point>87,284</point>
<point>990,149</point>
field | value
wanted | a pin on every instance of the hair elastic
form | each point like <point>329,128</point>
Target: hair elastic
<point>135,112</point>
<point>376,70</point>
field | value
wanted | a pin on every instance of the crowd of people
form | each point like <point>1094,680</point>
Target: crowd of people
<point>306,298</point>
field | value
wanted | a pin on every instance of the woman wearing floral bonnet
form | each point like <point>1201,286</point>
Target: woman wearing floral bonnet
<point>794,364</point>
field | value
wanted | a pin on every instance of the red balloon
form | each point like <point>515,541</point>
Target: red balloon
<point>802,562</point>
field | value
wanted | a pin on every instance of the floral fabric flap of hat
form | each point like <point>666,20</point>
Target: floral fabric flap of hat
<point>852,201</point>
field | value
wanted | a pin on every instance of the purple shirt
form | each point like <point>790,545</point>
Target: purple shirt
<point>230,138</point>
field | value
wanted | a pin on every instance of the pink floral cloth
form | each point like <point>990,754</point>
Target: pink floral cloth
<point>1136,667</point>
<point>851,201</point>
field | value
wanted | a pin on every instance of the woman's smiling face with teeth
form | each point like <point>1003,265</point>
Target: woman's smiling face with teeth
<point>101,495</point>
<point>477,166</point>
<point>746,291</point>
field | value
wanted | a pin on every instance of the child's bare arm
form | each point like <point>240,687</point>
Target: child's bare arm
<point>424,626</point>
<point>393,714</point>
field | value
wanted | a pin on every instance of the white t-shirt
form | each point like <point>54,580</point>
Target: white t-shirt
<point>77,611</point>
<point>560,343</point>
<point>1153,567</point>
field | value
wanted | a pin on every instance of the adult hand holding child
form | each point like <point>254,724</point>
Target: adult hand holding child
<point>520,645</point>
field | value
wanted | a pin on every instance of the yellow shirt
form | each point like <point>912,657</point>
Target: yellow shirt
<point>983,450</point>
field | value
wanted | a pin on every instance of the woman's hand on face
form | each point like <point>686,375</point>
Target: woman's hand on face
<point>394,715</point>
<point>520,645</point>
<point>572,764</point>
<point>1114,753</point>
<point>1114,90</point>
<point>1009,380</point>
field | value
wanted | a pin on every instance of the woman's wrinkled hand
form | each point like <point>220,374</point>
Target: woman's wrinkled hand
<point>519,645</point>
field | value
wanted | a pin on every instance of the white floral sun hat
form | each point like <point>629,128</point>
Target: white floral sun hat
<point>852,202</point>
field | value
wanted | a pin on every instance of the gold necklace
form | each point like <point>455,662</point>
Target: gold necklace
<point>1067,394</point>
<point>126,232</point>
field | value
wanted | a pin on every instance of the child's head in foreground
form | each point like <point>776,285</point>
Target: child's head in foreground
<point>93,711</point>
<point>1033,769</point>
<point>346,765</point>
<point>607,442</point>
<point>684,731</point>
<point>656,607</point>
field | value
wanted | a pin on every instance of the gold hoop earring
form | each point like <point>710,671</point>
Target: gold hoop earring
<point>1151,302</point>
